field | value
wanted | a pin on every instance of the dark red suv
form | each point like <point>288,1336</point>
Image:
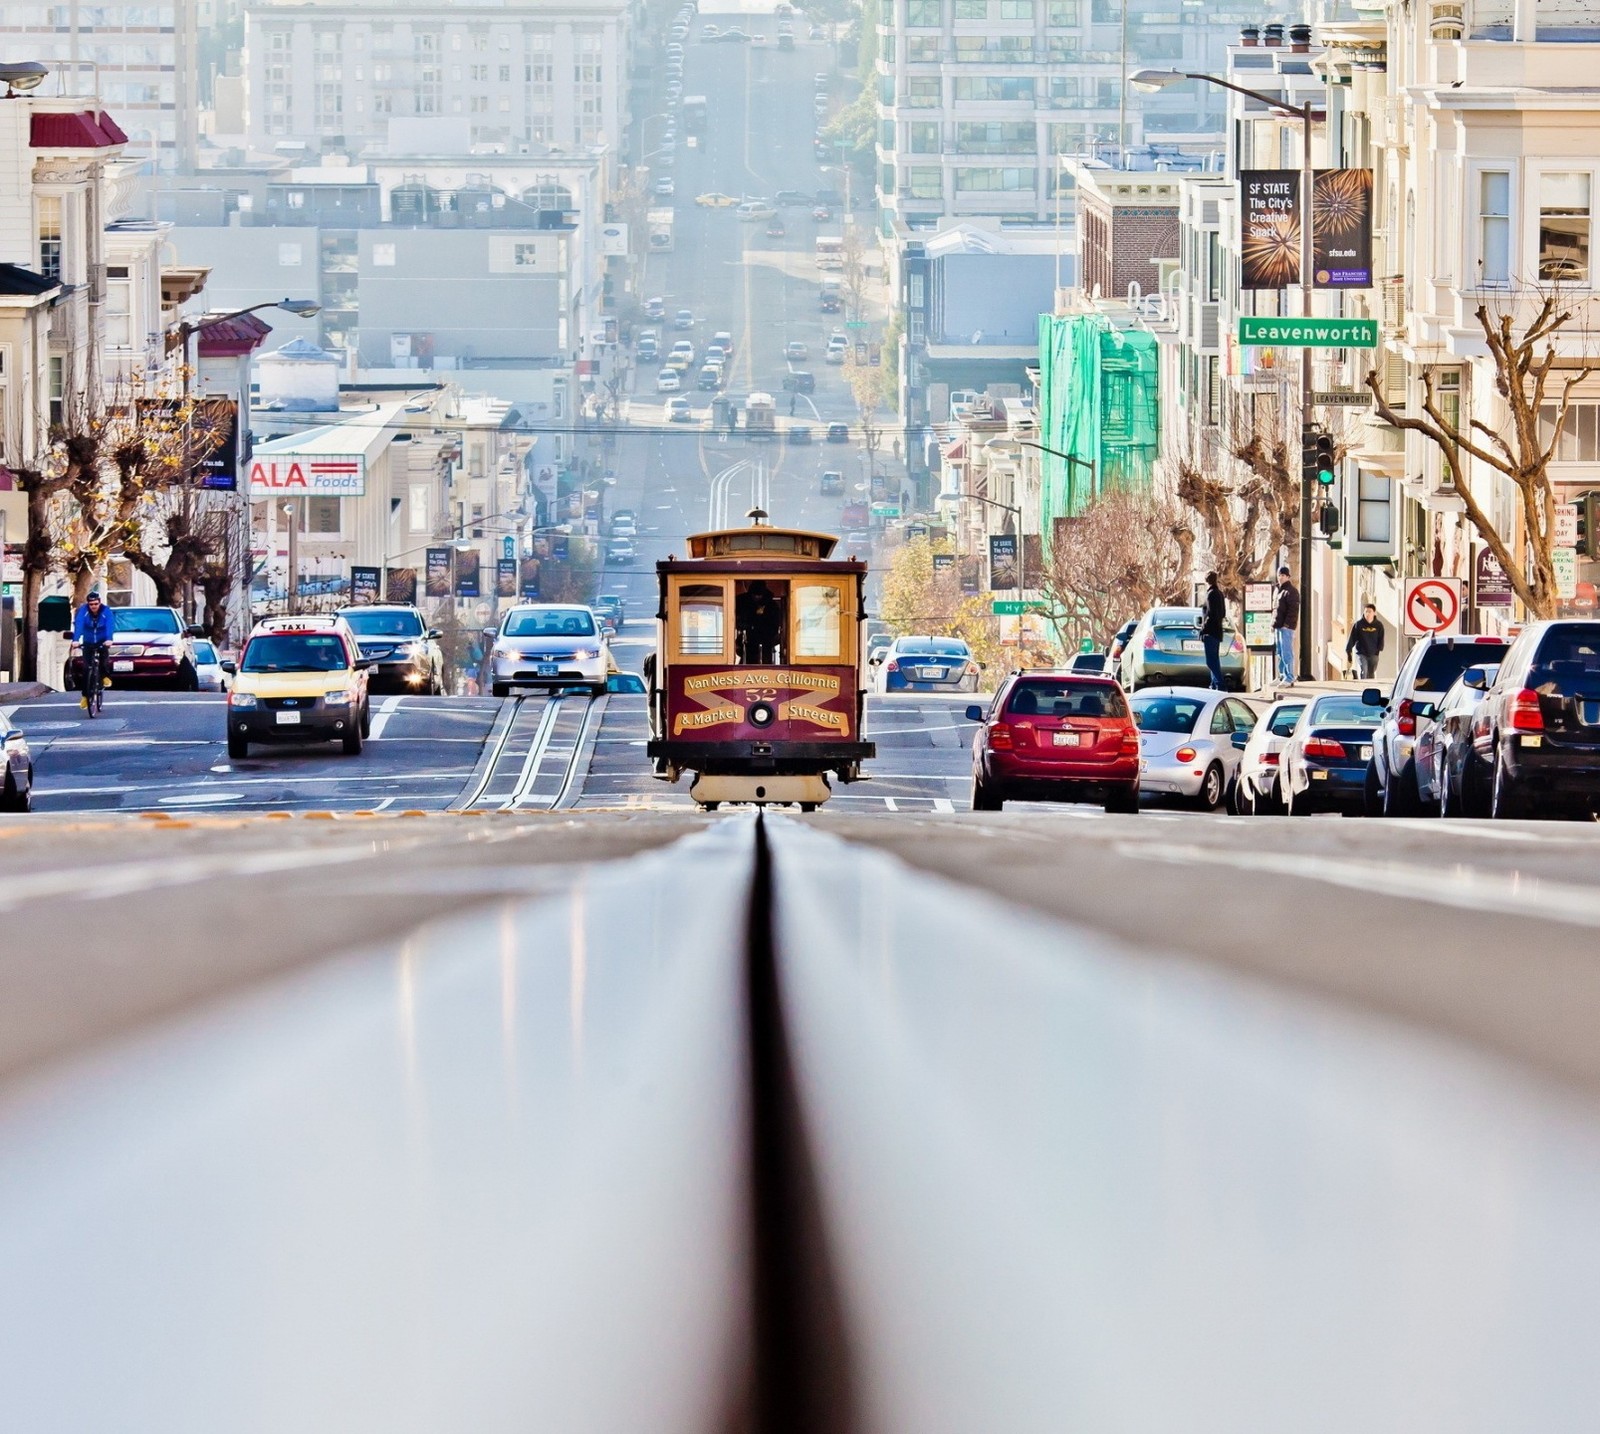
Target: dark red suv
<point>1056,737</point>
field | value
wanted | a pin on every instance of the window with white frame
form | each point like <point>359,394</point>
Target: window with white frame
<point>1494,226</point>
<point>1580,432</point>
<point>1564,220</point>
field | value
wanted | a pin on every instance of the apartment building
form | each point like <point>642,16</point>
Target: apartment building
<point>138,60</point>
<point>541,75</point>
<point>979,101</point>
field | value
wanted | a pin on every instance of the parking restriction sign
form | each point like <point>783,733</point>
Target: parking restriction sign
<point>1433,606</point>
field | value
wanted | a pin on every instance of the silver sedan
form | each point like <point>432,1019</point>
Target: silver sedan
<point>548,645</point>
<point>1190,741</point>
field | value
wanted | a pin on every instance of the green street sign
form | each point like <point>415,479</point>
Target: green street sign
<point>1085,644</point>
<point>1309,333</point>
<point>1010,607</point>
<point>858,323</point>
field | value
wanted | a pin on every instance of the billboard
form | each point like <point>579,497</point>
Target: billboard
<point>291,475</point>
<point>1270,214</point>
<point>438,565</point>
<point>214,438</point>
<point>1002,562</point>
<point>1269,228</point>
<point>1341,229</point>
<point>364,585</point>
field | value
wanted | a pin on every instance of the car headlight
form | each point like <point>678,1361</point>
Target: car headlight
<point>413,649</point>
<point>242,699</point>
<point>340,697</point>
<point>509,653</point>
<point>584,654</point>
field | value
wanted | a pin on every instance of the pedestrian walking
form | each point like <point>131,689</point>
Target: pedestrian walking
<point>1213,618</point>
<point>1285,620</point>
<point>1366,642</point>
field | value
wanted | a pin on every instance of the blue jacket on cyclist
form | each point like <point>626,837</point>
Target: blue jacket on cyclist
<point>93,621</point>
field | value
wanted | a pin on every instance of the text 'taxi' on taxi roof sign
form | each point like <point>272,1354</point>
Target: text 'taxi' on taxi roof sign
<point>1309,333</point>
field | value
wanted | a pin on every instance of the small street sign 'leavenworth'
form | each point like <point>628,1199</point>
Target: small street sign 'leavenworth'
<point>1341,398</point>
<point>1309,333</point>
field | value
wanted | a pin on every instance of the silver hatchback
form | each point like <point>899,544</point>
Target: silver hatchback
<point>1190,742</point>
<point>548,645</point>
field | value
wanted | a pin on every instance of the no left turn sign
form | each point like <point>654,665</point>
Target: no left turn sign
<point>1433,606</point>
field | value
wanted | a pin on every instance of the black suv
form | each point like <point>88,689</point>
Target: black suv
<point>1536,738</point>
<point>799,380</point>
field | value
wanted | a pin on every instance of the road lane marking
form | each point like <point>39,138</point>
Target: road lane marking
<point>943,804</point>
<point>386,709</point>
<point>200,799</point>
<point>281,780</point>
<point>1464,888</point>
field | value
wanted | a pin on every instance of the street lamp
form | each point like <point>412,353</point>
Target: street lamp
<point>1148,82</point>
<point>21,76</point>
<point>180,335</point>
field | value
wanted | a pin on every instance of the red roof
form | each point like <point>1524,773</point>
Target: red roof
<point>232,337</point>
<point>86,129</point>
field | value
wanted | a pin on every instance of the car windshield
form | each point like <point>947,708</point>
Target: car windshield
<point>205,653</point>
<point>1037,697</point>
<point>1166,714</point>
<point>294,652</point>
<point>549,622</point>
<point>1444,662</point>
<point>378,623</point>
<point>933,647</point>
<point>1283,721</point>
<point>146,619</point>
<point>1175,617</point>
<point>1344,712</point>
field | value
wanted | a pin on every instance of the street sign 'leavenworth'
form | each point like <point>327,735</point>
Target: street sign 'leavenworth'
<point>1309,333</point>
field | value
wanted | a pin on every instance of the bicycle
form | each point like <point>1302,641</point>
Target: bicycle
<point>94,686</point>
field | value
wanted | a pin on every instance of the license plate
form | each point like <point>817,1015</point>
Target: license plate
<point>1066,739</point>
<point>932,674</point>
<point>122,667</point>
<point>1191,644</point>
<point>288,719</point>
<point>1366,754</point>
<point>546,669</point>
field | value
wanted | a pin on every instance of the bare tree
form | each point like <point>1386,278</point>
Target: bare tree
<point>866,387</point>
<point>1530,380</point>
<point>1127,551</point>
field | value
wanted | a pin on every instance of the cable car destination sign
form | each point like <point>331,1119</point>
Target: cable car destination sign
<point>1308,333</point>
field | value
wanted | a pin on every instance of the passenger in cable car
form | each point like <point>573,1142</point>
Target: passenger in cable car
<point>758,624</point>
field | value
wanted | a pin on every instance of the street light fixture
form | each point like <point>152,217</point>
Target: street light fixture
<point>1148,82</point>
<point>19,76</point>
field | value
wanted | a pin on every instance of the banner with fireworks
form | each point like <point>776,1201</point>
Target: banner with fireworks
<point>1269,220</point>
<point>1341,229</point>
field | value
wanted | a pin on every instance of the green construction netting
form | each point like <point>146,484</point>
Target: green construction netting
<point>1099,403</point>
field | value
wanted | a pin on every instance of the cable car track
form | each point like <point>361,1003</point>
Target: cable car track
<point>532,758</point>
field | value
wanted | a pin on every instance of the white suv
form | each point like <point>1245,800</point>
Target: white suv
<point>1428,672</point>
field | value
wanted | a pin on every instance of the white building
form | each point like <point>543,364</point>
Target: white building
<point>333,73</point>
<point>138,60</point>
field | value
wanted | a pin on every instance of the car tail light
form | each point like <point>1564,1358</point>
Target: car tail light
<point>1406,719</point>
<point>1000,738</point>
<point>1150,638</point>
<point>1526,714</point>
<point>1130,739</point>
<point>1325,748</point>
<point>1186,754</point>
<point>891,666</point>
<point>1269,759</point>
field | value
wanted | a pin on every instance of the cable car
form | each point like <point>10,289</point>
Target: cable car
<point>758,682</point>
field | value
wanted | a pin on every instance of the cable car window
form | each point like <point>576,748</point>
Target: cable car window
<point>700,629</point>
<point>760,621</point>
<point>818,625</point>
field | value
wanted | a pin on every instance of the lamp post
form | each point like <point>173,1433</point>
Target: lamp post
<point>1148,82</point>
<point>181,333</point>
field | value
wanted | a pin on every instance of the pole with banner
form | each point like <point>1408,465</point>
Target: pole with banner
<point>438,567</point>
<point>364,585</point>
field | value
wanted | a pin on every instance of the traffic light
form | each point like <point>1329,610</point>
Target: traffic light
<point>1308,452</point>
<point>1328,519</point>
<point>1326,467</point>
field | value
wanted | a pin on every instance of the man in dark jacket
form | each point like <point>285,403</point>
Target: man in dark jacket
<point>1213,621</point>
<point>1285,619</point>
<point>1366,642</point>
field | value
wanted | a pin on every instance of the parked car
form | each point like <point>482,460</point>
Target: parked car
<point>1087,662</point>
<point>832,483</point>
<point>796,352</point>
<point>1120,642</point>
<point>1054,737</point>
<point>1256,789</point>
<point>1444,775</point>
<point>16,789</point>
<point>790,198</point>
<point>151,647</point>
<point>1165,650</point>
<point>1186,742</point>
<point>1428,672</point>
<point>608,607</point>
<point>799,381</point>
<point>403,650</point>
<point>878,644</point>
<point>926,664</point>
<point>837,351</point>
<point>1536,738</point>
<point>208,666</point>
<point>1324,763</point>
<point>549,645</point>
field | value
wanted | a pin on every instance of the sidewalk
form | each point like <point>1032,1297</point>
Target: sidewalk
<point>11,692</point>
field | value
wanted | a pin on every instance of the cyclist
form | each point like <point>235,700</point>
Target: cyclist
<point>92,628</point>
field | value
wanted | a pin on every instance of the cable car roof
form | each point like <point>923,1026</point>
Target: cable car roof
<point>760,540</point>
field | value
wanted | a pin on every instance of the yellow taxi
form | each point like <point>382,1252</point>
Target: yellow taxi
<point>299,679</point>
